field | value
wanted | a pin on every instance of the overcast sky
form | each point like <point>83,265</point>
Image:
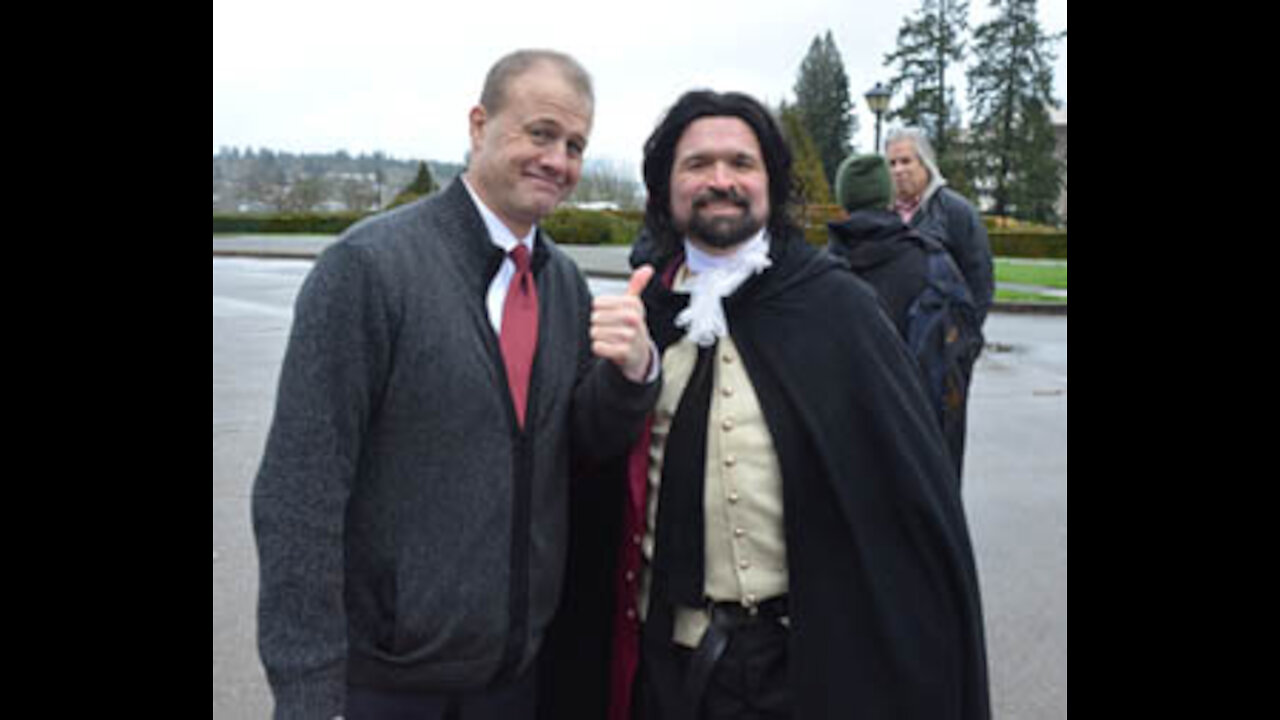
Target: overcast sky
<point>400,75</point>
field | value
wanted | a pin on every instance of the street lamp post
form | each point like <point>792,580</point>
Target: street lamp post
<point>878,100</point>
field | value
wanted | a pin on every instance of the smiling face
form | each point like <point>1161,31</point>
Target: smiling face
<point>719,183</point>
<point>527,157</point>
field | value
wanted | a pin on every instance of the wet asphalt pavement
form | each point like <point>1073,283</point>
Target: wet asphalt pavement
<point>1015,488</point>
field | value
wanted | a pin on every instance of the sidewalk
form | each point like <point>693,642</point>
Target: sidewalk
<point>271,246</point>
<point>595,261</point>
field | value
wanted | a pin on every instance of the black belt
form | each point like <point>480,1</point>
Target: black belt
<point>727,618</point>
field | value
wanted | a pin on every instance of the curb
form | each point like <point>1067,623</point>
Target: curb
<point>1029,308</point>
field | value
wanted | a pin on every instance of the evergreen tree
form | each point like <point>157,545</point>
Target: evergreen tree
<point>822,99</point>
<point>422,186</point>
<point>1010,93</point>
<point>423,183</point>
<point>806,167</point>
<point>928,44</point>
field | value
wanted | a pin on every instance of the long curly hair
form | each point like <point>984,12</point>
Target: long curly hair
<point>659,155</point>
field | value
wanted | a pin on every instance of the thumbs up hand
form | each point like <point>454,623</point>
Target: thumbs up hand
<point>618,330</point>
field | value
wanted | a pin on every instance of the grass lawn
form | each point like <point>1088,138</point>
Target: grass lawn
<point>1046,273</point>
<point>1042,273</point>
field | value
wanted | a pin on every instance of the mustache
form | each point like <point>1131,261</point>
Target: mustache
<point>711,195</point>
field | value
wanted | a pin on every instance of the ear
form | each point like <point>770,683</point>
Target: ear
<point>478,119</point>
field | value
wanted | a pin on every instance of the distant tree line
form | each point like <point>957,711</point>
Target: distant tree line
<point>265,180</point>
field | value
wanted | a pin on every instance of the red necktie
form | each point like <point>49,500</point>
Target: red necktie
<point>519,336</point>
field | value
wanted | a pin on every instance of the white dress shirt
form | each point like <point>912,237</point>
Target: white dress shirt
<point>505,240</point>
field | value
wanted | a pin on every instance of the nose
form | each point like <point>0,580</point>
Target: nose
<point>555,159</point>
<point>722,177</point>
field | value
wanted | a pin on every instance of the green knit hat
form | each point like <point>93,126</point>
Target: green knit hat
<point>862,183</point>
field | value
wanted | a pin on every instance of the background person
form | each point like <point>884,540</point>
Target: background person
<point>924,292</point>
<point>927,205</point>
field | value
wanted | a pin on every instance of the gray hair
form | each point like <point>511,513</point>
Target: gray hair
<point>924,150</point>
<point>494,96</point>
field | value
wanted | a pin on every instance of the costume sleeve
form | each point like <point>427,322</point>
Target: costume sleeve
<point>328,382</point>
<point>608,409</point>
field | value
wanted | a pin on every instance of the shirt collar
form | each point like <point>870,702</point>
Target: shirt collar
<point>499,234</point>
<point>699,261</point>
<point>907,207</point>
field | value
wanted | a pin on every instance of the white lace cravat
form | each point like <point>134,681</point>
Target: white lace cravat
<point>715,278</point>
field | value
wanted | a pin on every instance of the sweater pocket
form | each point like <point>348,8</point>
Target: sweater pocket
<point>450,607</point>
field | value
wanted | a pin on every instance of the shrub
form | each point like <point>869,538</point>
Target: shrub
<point>571,226</point>
<point>314,223</point>
<point>1029,244</point>
<point>1009,238</point>
<point>814,219</point>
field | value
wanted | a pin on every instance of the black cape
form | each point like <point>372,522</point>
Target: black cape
<point>886,621</point>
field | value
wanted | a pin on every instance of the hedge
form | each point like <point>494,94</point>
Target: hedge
<point>1014,238</point>
<point>1028,244</point>
<point>310,223</point>
<point>571,226</point>
<point>1009,238</point>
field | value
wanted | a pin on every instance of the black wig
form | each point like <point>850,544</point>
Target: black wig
<point>659,154</point>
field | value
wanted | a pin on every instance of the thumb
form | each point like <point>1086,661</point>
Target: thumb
<point>639,280</point>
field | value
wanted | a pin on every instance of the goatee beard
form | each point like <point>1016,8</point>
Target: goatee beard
<point>720,231</point>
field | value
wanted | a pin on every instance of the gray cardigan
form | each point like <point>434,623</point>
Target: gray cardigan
<point>410,535</point>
